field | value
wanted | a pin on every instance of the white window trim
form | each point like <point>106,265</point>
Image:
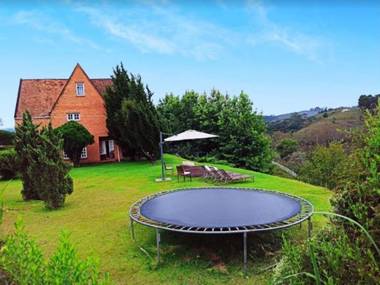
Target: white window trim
<point>76,89</point>
<point>71,116</point>
<point>84,153</point>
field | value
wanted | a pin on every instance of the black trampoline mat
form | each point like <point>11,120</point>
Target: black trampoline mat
<point>224,207</point>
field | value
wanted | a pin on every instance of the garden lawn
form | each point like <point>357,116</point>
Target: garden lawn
<point>96,215</point>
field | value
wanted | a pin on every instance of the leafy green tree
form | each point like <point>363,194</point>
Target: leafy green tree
<point>368,102</point>
<point>132,119</point>
<point>9,164</point>
<point>169,111</point>
<point>359,197</point>
<point>44,174</point>
<point>325,166</point>
<point>75,138</point>
<point>243,139</point>
<point>286,147</point>
<point>6,137</point>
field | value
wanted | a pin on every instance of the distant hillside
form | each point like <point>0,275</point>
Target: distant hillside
<point>322,128</point>
<point>307,114</point>
<point>12,130</point>
<point>330,127</point>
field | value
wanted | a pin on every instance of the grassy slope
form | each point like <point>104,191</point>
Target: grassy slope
<point>96,214</point>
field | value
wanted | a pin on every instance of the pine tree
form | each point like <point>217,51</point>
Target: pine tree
<point>54,180</point>
<point>27,139</point>
<point>132,119</point>
<point>43,172</point>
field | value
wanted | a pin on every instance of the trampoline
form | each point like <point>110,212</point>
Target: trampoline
<point>220,210</point>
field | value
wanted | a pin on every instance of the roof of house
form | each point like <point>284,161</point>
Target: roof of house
<point>38,96</point>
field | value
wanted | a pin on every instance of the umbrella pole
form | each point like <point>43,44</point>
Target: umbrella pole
<point>162,158</point>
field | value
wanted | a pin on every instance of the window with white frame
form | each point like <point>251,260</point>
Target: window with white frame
<point>80,88</point>
<point>83,153</point>
<point>111,145</point>
<point>73,116</point>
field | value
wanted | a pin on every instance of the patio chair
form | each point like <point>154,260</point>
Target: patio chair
<point>182,172</point>
<point>169,167</point>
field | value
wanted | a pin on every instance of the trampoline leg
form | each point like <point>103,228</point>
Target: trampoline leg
<point>245,253</point>
<point>309,227</point>
<point>133,230</point>
<point>158,239</point>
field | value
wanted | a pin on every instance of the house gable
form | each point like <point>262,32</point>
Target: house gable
<point>90,106</point>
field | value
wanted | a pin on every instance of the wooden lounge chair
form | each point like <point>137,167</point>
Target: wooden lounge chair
<point>182,172</point>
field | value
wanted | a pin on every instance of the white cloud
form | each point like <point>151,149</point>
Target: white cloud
<point>161,29</point>
<point>42,23</point>
<point>271,32</point>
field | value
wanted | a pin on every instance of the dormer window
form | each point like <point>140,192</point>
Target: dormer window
<point>80,88</point>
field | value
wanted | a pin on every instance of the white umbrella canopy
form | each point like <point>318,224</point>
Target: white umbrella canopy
<point>190,135</point>
<point>184,136</point>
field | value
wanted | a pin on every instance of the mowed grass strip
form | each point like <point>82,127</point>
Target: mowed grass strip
<point>96,215</point>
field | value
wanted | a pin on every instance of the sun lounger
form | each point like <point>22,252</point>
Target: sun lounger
<point>220,175</point>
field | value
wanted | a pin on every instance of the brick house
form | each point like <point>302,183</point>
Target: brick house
<point>77,98</point>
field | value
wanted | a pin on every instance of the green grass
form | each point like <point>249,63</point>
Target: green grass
<point>96,214</point>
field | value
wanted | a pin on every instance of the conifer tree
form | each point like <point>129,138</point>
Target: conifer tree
<point>27,139</point>
<point>132,119</point>
<point>44,174</point>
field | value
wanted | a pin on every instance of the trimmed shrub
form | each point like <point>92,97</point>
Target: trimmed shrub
<point>75,138</point>
<point>9,164</point>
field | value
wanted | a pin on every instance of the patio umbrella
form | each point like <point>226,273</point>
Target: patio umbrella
<point>189,135</point>
<point>184,136</point>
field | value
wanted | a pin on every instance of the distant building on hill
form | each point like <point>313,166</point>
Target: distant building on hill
<point>77,98</point>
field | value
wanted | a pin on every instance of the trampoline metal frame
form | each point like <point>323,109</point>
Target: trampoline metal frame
<point>305,213</point>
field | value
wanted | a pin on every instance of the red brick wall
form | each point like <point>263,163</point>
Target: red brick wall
<point>90,107</point>
<point>42,122</point>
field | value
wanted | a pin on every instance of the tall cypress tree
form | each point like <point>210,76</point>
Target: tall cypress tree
<point>132,119</point>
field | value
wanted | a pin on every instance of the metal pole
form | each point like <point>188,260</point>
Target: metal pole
<point>162,157</point>
<point>132,230</point>
<point>158,239</point>
<point>309,227</point>
<point>245,252</point>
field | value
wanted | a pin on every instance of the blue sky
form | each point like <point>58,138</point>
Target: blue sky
<point>287,55</point>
